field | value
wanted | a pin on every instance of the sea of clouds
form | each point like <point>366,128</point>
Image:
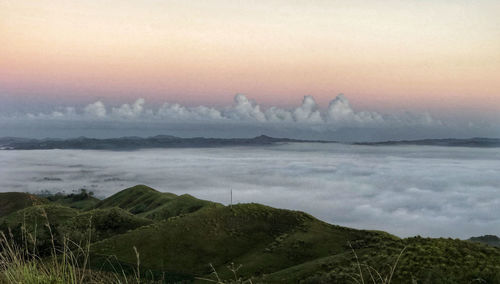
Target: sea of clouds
<point>405,190</point>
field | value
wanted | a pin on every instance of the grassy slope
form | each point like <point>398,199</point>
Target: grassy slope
<point>276,245</point>
<point>424,260</point>
<point>288,246</point>
<point>39,214</point>
<point>75,201</point>
<point>30,224</point>
<point>14,201</point>
<point>147,202</point>
<point>264,239</point>
<point>182,204</point>
<point>103,223</point>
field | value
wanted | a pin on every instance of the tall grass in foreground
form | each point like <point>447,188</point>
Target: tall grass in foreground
<point>375,276</point>
<point>20,262</point>
<point>20,265</point>
<point>217,279</point>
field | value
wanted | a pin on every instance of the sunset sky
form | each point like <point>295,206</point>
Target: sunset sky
<point>439,57</point>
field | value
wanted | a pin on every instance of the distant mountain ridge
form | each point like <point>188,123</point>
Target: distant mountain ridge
<point>491,240</point>
<point>168,141</point>
<point>450,142</point>
<point>132,143</point>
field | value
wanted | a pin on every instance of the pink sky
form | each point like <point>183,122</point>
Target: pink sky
<point>440,56</point>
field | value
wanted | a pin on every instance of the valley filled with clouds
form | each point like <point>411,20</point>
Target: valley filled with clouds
<point>405,190</point>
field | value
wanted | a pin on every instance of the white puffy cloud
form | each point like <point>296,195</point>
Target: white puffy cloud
<point>182,113</point>
<point>276,114</point>
<point>308,111</point>
<point>340,112</point>
<point>307,116</point>
<point>62,113</point>
<point>245,109</point>
<point>129,111</point>
<point>97,110</point>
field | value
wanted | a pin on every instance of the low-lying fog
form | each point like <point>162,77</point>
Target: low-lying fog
<point>405,190</point>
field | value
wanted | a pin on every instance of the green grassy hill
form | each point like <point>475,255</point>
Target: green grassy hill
<point>179,205</point>
<point>282,246</point>
<point>177,237</point>
<point>39,215</point>
<point>137,199</point>
<point>14,201</point>
<point>423,260</point>
<point>150,203</point>
<point>83,200</point>
<point>262,238</point>
<point>38,224</point>
<point>101,224</point>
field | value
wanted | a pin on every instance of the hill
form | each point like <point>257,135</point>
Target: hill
<point>177,237</point>
<point>150,203</point>
<point>137,199</point>
<point>14,201</point>
<point>491,240</point>
<point>132,143</point>
<point>415,260</point>
<point>449,142</point>
<point>38,224</point>
<point>101,224</point>
<point>84,200</point>
<point>265,239</point>
<point>282,246</point>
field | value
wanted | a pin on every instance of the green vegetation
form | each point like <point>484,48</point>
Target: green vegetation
<point>83,200</point>
<point>101,224</point>
<point>137,199</point>
<point>140,234</point>
<point>13,201</point>
<point>40,223</point>
<point>487,239</point>
<point>147,202</point>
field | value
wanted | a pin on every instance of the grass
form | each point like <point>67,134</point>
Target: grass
<point>147,202</point>
<point>13,201</point>
<point>84,200</point>
<point>262,238</point>
<point>105,224</point>
<point>137,199</point>
<point>181,238</point>
<point>21,262</point>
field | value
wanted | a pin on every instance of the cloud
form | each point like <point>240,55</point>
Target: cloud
<point>245,109</point>
<point>338,114</point>
<point>129,111</point>
<point>244,117</point>
<point>95,110</point>
<point>308,111</point>
<point>178,112</point>
<point>405,190</point>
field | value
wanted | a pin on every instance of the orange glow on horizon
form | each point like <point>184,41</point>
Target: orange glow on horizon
<point>404,54</point>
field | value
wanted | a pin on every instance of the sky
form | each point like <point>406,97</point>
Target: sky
<point>436,59</point>
<point>404,190</point>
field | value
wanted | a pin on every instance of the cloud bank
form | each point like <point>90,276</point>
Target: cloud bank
<point>339,113</point>
<point>407,190</point>
<point>243,118</point>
